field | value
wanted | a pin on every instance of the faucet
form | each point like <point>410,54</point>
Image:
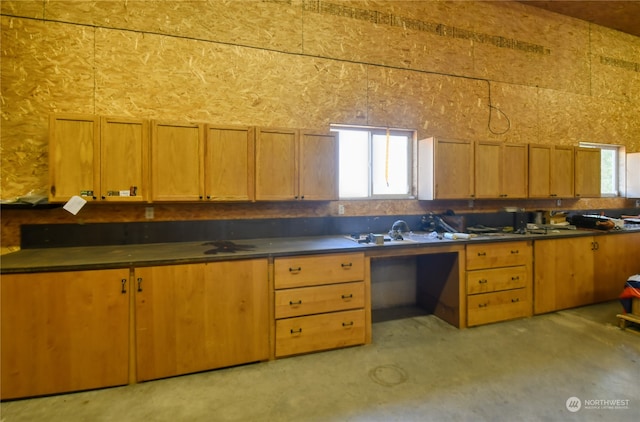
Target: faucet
<point>397,229</point>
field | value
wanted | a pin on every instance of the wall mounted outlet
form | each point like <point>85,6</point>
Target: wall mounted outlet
<point>637,203</point>
<point>148,213</point>
<point>558,202</point>
<point>340,209</point>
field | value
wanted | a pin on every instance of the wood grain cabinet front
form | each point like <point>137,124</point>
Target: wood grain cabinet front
<point>320,302</point>
<point>64,331</point>
<point>196,317</point>
<point>498,282</point>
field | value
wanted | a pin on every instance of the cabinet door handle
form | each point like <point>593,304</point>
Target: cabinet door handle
<point>347,324</point>
<point>514,300</point>
<point>515,278</point>
<point>295,270</point>
<point>139,284</point>
<point>298,331</point>
<point>347,265</point>
<point>515,252</point>
<point>597,245</point>
<point>483,305</point>
<point>349,296</point>
<point>482,254</point>
<point>482,281</point>
<point>297,302</point>
<point>124,286</point>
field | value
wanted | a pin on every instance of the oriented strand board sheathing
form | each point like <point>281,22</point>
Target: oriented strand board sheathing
<point>567,119</point>
<point>269,24</point>
<point>387,33</point>
<point>436,105</point>
<point>535,47</point>
<point>154,76</point>
<point>45,67</point>
<point>25,8</point>
<point>615,65</point>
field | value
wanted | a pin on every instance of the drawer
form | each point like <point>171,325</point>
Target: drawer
<point>483,281</point>
<point>299,271</point>
<point>319,332</point>
<point>493,255</point>
<point>319,299</point>
<point>499,306</point>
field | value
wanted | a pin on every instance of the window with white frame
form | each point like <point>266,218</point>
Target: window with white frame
<point>610,167</point>
<point>375,162</point>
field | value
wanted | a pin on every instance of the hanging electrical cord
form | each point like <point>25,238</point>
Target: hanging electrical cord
<point>386,161</point>
<point>491,108</point>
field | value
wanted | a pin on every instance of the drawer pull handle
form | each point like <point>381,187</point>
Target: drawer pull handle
<point>295,270</point>
<point>483,305</point>
<point>515,252</point>
<point>482,254</point>
<point>297,302</point>
<point>347,324</point>
<point>124,286</point>
<point>139,284</point>
<point>482,281</point>
<point>515,300</point>
<point>349,296</point>
<point>298,331</point>
<point>515,278</point>
<point>348,265</point>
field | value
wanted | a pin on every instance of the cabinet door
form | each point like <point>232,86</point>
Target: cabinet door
<point>540,171</point>
<point>616,258</point>
<point>65,331</point>
<point>177,164</point>
<point>124,172</point>
<point>488,170</point>
<point>454,171</point>
<point>318,166</point>
<point>587,172</point>
<point>229,163</point>
<point>562,172</point>
<point>196,317</point>
<point>276,164</point>
<point>563,273</point>
<point>74,156</point>
<point>515,171</point>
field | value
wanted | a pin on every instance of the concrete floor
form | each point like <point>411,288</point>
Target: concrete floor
<point>417,369</point>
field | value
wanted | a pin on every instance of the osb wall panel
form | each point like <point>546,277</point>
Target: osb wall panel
<point>440,105</point>
<point>266,24</point>
<point>531,47</point>
<point>173,78</point>
<point>615,65</point>
<point>45,67</point>
<point>387,33</point>
<point>24,8</point>
<point>568,119</point>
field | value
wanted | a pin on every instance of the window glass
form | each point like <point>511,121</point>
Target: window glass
<point>374,162</point>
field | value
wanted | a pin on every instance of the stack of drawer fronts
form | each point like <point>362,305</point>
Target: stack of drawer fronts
<point>498,282</point>
<point>319,302</point>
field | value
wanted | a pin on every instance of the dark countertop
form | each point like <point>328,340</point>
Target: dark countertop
<point>140,255</point>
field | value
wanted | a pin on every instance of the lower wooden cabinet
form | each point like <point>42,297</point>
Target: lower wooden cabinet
<point>195,317</point>
<point>320,302</point>
<point>64,331</point>
<point>498,282</point>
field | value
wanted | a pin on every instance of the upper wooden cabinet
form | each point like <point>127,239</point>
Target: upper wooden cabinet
<point>587,172</point>
<point>445,169</point>
<point>501,170</point>
<point>195,162</point>
<point>551,171</point>
<point>229,163</point>
<point>295,165</point>
<point>177,166</point>
<point>98,158</point>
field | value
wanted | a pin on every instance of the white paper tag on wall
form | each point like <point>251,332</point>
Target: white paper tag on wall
<point>74,204</point>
